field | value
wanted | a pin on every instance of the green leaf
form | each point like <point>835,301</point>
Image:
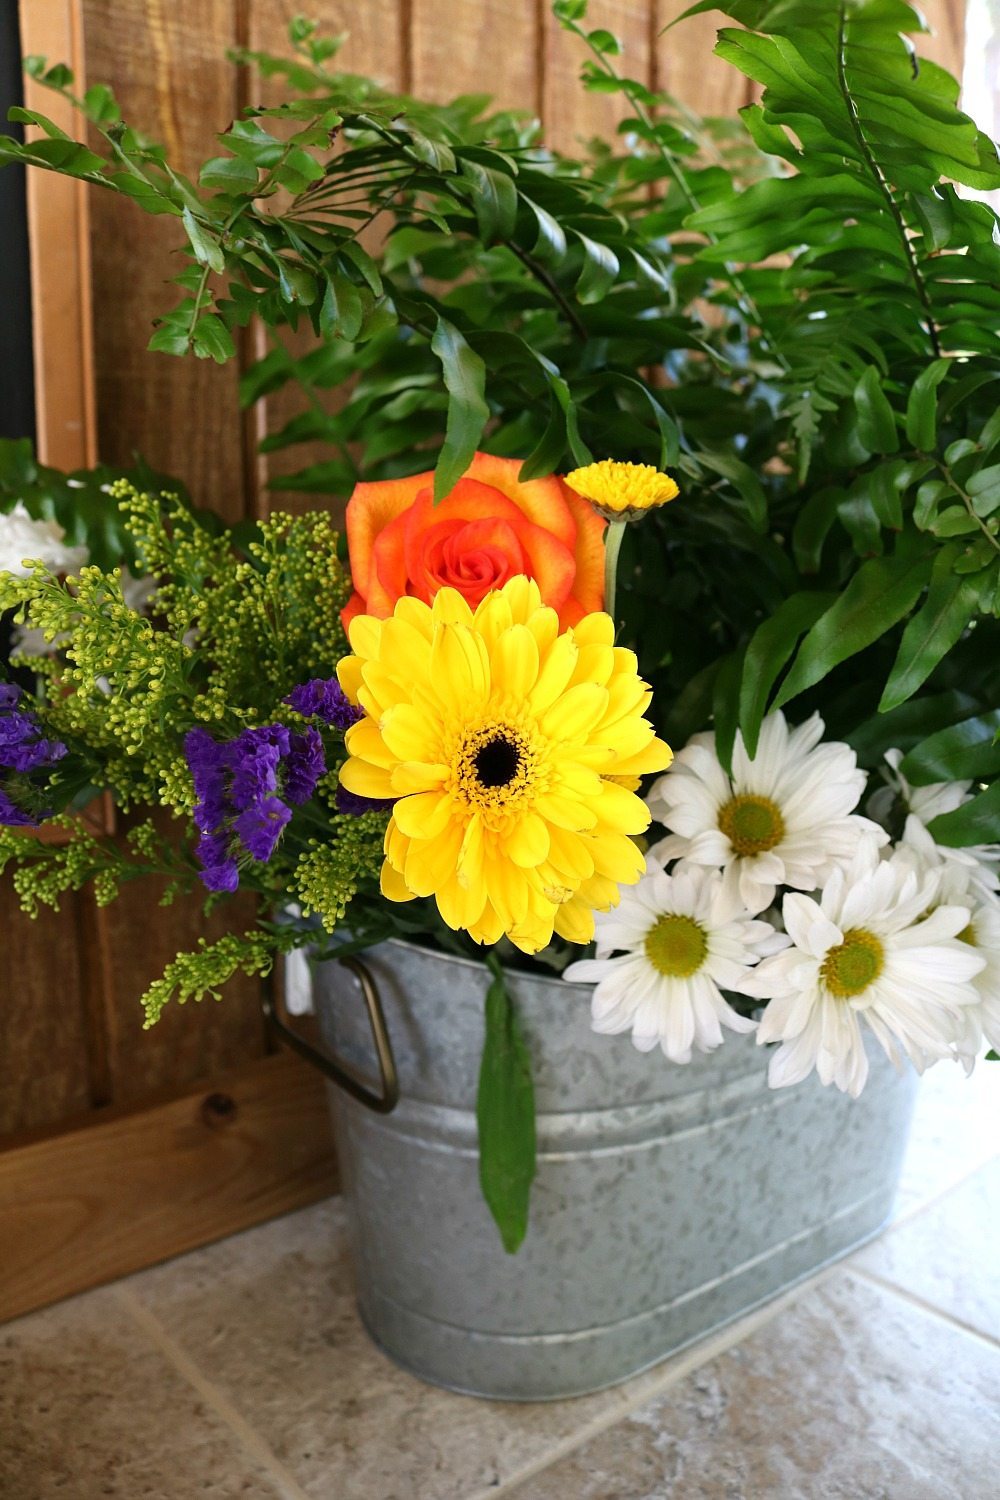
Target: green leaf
<point>204,244</point>
<point>600,267</point>
<point>726,707</point>
<point>967,751</point>
<point>230,174</point>
<point>882,592</point>
<point>934,629</point>
<point>876,422</point>
<point>212,339</point>
<point>551,242</point>
<point>771,645</point>
<point>468,413</point>
<point>812,526</point>
<point>975,822</point>
<point>341,312</point>
<point>505,1113</point>
<point>746,482</point>
<point>921,407</point>
<point>494,200</point>
<point>984,487</point>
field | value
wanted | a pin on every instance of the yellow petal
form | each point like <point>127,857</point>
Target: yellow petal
<point>365,634</point>
<point>565,812</point>
<point>597,629</point>
<point>364,741</point>
<point>364,779</point>
<point>554,673</point>
<point>526,842</point>
<point>430,863</point>
<point>623,810</point>
<point>393,886</point>
<point>460,668</point>
<point>449,608</point>
<point>411,734</point>
<point>418,776</point>
<point>349,675</point>
<point>575,713</point>
<point>514,662</point>
<point>425,815</point>
<point>574,921</point>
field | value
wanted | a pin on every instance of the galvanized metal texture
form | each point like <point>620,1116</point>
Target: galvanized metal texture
<point>668,1199</point>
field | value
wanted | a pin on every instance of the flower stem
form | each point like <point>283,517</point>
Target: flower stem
<point>612,547</point>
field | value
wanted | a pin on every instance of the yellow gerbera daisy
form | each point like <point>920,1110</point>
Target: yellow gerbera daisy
<point>502,742</point>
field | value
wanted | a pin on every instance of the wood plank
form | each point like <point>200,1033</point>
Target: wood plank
<point>59,248</point>
<point>571,115</point>
<point>43,1040</point>
<point>167,62</point>
<point>946,44</point>
<point>685,64</point>
<point>189,1042</point>
<point>129,1188</point>
<point>477,47</point>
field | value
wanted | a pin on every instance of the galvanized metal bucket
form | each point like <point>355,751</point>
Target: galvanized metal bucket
<point>668,1199</point>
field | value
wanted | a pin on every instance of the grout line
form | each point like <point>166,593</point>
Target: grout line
<point>252,1443</point>
<point>925,1203</point>
<point>929,1308</point>
<point>677,1368</point>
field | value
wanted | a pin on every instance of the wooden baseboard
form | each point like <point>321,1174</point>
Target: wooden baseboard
<point>128,1188</point>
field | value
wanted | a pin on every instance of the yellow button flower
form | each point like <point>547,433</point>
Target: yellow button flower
<point>622,491</point>
<point>505,745</point>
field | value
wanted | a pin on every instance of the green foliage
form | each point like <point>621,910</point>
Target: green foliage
<point>505,1114</point>
<point>797,312</point>
<point>203,973</point>
<point>332,870</point>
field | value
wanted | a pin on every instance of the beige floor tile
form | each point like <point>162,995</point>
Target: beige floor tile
<point>90,1409</point>
<point>269,1317</point>
<point>948,1253</point>
<point>851,1394</point>
<point>956,1128</point>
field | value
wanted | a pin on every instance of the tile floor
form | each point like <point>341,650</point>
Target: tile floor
<point>242,1371</point>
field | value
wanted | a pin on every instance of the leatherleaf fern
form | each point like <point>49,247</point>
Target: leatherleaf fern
<point>796,312</point>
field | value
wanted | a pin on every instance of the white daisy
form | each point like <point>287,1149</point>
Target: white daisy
<point>867,948</point>
<point>679,939</point>
<point>22,536</point>
<point>783,818</point>
<point>982,1021</point>
<point>923,804</point>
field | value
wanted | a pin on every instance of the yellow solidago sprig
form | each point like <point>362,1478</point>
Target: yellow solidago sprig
<point>620,492</point>
<point>509,749</point>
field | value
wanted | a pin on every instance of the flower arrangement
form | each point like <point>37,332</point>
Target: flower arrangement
<point>789,569</point>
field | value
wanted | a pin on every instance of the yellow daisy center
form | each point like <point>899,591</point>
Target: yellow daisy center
<point>751,824</point>
<point>622,491</point>
<point>676,946</point>
<point>856,963</point>
<point>494,765</point>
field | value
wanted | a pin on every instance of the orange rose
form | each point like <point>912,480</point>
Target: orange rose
<point>488,529</point>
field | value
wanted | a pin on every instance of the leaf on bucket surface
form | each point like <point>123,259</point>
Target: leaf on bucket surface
<point>505,1111</point>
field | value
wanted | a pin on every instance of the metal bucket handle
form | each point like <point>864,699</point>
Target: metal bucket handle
<point>342,1073</point>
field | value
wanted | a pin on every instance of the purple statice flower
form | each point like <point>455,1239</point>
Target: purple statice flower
<point>12,816</point>
<point>23,747</point>
<point>324,698</point>
<point>219,870</point>
<point>253,759</point>
<point>304,765</point>
<point>260,826</point>
<point>354,806</point>
<point>207,762</point>
<point>243,787</point>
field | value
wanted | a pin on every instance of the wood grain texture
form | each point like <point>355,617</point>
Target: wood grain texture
<point>58,229</point>
<point>685,65</point>
<point>130,1188</point>
<point>570,114</point>
<point>189,1042</point>
<point>477,47</point>
<point>167,61</point>
<point>43,1042</point>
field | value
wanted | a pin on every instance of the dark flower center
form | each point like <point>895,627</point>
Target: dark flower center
<point>497,762</point>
